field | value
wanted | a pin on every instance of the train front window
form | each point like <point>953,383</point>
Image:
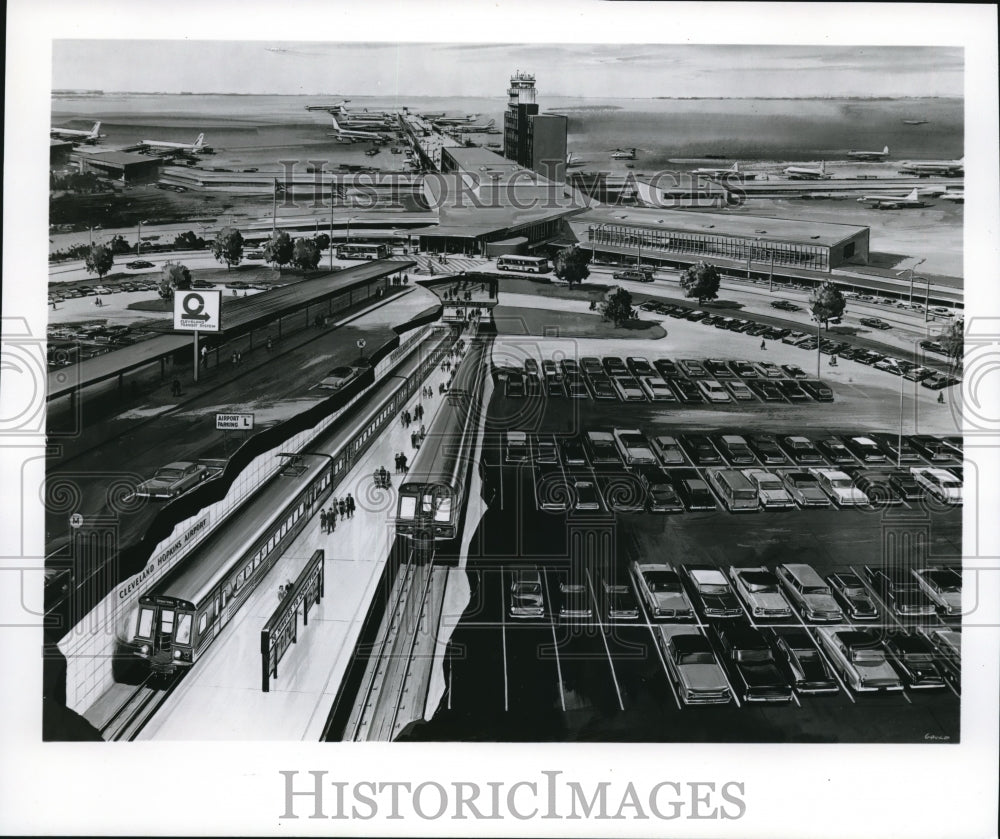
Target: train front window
<point>183,635</point>
<point>444,510</point>
<point>407,506</point>
<point>145,629</point>
<point>167,622</point>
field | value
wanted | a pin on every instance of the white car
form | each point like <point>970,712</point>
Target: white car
<point>516,450</point>
<point>713,391</point>
<point>770,490</point>
<point>944,586</point>
<point>860,659</point>
<point>758,588</point>
<point>769,370</point>
<point>939,483</point>
<point>633,446</point>
<point>669,450</point>
<point>526,595</point>
<point>657,390</point>
<point>840,488</point>
<point>809,591</point>
<point>660,586</point>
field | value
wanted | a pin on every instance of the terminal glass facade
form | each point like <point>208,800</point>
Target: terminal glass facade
<point>815,257</point>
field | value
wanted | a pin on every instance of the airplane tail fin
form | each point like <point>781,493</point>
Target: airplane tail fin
<point>885,150</point>
<point>336,125</point>
<point>912,196</point>
<point>96,129</point>
<point>735,167</point>
<point>200,141</point>
<point>491,123</point>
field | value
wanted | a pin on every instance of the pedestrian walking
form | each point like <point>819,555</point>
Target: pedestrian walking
<point>322,521</point>
<point>204,356</point>
<point>234,359</point>
<point>403,462</point>
<point>396,458</point>
<point>423,431</point>
<point>175,388</point>
<point>281,592</point>
<point>331,517</point>
<point>342,507</point>
<point>270,344</point>
<point>413,439</point>
<point>350,506</point>
<point>763,345</point>
<point>239,358</point>
<point>940,398</point>
<point>288,586</point>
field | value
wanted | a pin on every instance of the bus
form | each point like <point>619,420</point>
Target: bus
<point>362,251</point>
<point>529,264</point>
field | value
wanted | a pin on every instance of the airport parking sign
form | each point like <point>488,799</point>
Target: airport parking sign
<point>197,310</point>
<point>233,422</point>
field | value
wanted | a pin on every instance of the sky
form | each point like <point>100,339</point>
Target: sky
<point>593,71</point>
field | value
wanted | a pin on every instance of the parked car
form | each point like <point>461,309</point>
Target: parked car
<point>614,366</point>
<point>817,390</point>
<point>660,586</point>
<point>858,656</point>
<point>637,274</point>
<point>719,369</point>
<point>686,390</point>
<point>913,657</point>
<point>865,449</point>
<point>701,450</point>
<point>713,595</point>
<point>172,480</point>
<point>601,447</point>
<point>639,366</point>
<point>747,656</point>
<point>632,446</point>
<point>791,390</point>
<point>835,451</point>
<point>838,485</point>
<point>766,447</point>
<point>713,391</point>
<point>628,389</point>
<point>759,590</point>
<point>876,323</point>
<point>692,666</point>
<point>138,263</point>
<point>735,449</point>
<point>877,486</point>
<point>906,485</point>
<point>602,389</point>
<point>809,592</point>
<point>514,386</point>
<point>794,371</point>
<point>573,453</point>
<point>656,389</point>
<point>619,602</point>
<point>801,450</point>
<point>622,491</point>
<point>943,585</point>
<point>591,365</point>
<point>805,489</point>
<point>545,450</point>
<point>526,599</point>
<point>574,601</point>
<point>850,592</point>
<point>696,494</point>
<point>804,665</point>
<point>668,450</point>
<point>785,306</point>
<point>769,370</point>
<point>692,368</point>
<point>940,483</point>
<point>898,451</point>
<point>770,491</point>
<point>740,392</point>
<point>900,591</point>
<point>744,369</point>
<point>662,497</point>
<point>935,450</point>
<point>665,367</point>
<point>766,390</point>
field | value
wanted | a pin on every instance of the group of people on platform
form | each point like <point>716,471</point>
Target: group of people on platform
<point>343,508</point>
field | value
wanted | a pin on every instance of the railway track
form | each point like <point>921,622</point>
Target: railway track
<point>138,708</point>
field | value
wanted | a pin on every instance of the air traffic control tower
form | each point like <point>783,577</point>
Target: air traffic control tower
<point>535,141</point>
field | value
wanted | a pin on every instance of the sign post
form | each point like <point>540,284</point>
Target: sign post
<point>362,343</point>
<point>197,311</point>
<point>234,422</point>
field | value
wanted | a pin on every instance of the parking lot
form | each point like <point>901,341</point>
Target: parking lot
<point>578,670</point>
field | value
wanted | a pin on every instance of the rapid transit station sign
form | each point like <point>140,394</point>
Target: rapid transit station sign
<point>197,310</point>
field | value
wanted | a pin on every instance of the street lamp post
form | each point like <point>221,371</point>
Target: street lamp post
<point>138,240</point>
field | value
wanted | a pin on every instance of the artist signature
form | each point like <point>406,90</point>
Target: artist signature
<point>937,736</point>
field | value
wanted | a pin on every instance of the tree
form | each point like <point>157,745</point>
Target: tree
<point>306,254</point>
<point>175,277</point>
<point>701,281</point>
<point>99,260</point>
<point>190,242</point>
<point>228,247</point>
<point>279,249</point>
<point>322,241</point>
<point>953,341</point>
<point>617,306</point>
<point>119,245</point>
<point>571,265</point>
<point>826,302</point>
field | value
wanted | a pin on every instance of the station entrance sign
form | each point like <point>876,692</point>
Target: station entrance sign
<point>197,311</point>
<point>233,422</point>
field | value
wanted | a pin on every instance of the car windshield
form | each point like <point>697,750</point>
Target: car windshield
<point>632,440</point>
<point>662,581</point>
<point>529,588</point>
<point>868,658</point>
<point>696,658</point>
<point>841,483</point>
<point>770,484</point>
<point>815,590</point>
<point>759,580</point>
<point>713,588</point>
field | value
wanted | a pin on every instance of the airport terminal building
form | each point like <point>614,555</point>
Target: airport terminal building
<point>657,235</point>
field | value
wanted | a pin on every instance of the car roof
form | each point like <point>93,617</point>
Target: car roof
<point>178,464</point>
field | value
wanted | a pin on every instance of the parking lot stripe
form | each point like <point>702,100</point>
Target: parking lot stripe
<point>503,644</point>
<point>555,643</point>
<point>604,638</point>
<point>663,664</point>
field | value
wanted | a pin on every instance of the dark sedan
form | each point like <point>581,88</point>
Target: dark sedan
<point>849,590</point>
<point>748,659</point>
<point>805,667</point>
<point>700,450</point>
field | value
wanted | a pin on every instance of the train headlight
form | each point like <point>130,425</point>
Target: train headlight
<point>144,649</point>
<point>177,654</point>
